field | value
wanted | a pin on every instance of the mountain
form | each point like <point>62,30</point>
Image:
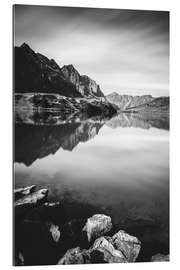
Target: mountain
<point>157,105</point>
<point>125,101</point>
<point>34,72</point>
<point>84,85</point>
<point>145,104</point>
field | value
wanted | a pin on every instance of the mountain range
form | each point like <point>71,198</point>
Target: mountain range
<point>41,83</point>
<point>34,72</point>
<point>139,104</point>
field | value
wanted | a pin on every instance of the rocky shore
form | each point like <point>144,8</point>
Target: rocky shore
<point>43,235</point>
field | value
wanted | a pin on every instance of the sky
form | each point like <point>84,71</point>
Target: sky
<point>124,51</point>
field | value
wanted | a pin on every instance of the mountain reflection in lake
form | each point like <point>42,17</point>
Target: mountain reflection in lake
<point>119,165</point>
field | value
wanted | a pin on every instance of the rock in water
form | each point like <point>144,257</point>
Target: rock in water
<point>120,248</point>
<point>129,245</point>
<point>75,256</point>
<point>19,260</point>
<point>20,192</point>
<point>97,226</point>
<point>52,204</point>
<point>33,199</point>
<point>55,232</point>
<point>104,251</point>
<point>160,258</point>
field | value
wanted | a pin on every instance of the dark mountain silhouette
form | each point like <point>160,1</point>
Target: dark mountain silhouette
<point>34,72</point>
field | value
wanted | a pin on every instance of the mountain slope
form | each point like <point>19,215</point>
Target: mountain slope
<point>157,105</point>
<point>125,101</point>
<point>34,72</point>
<point>85,85</point>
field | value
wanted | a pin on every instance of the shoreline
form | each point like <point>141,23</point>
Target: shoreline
<point>76,241</point>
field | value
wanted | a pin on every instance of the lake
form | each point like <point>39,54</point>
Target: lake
<point>117,166</point>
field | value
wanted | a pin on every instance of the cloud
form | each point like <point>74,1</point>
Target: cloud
<point>123,50</point>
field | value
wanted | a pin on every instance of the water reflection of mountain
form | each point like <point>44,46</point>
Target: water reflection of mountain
<point>137,120</point>
<point>40,134</point>
<point>34,142</point>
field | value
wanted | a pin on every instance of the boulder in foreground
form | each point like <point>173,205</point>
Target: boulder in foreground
<point>104,252</point>
<point>129,245</point>
<point>120,248</point>
<point>97,226</point>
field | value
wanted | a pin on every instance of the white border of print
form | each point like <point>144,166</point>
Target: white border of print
<point>6,126</point>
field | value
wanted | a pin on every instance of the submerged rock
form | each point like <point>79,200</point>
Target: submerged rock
<point>97,226</point>
<point>33,199</point>
<point>129,245</point>
<point>72,234</point>
<point>52,204</point>
<point>20,192</point>
<point>19,260</point>
<point>75,256</point>
<point>37,241</point>
<point>160,258</point>
<point>55,232</point>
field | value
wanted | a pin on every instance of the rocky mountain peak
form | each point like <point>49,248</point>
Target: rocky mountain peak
<point>113,94</point>
<point>127,101</point>
<point>84,84</point>
<point>25,45</point>
<point>69,70</point>
<point>26,48</point>
<point>36,72</point>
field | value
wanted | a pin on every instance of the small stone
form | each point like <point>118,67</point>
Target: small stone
<point>160,258</point>
<point>51,204</point>
<point>55,232</point>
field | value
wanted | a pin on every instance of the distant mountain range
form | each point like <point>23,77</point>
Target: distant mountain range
<point>140,104</point>
<point>34,72</point>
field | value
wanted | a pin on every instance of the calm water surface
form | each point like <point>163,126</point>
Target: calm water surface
<point>119,166</point>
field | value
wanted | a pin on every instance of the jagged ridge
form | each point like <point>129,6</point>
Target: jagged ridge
<point>34,72</point>
<point>140,104</point>
<point>125,101</point>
